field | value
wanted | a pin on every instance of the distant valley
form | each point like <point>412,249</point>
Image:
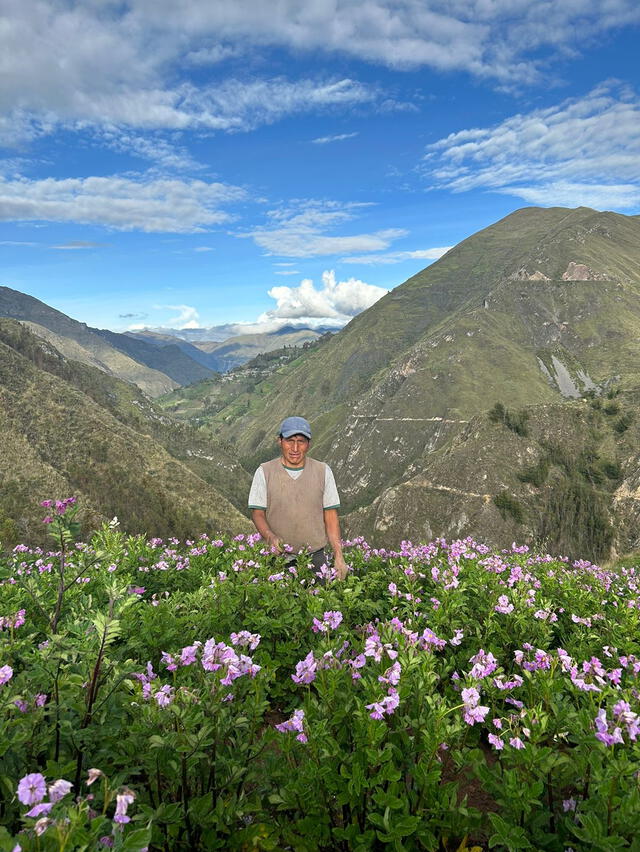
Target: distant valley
<point>155,362</point>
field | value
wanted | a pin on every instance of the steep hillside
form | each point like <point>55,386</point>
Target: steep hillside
<point>538,309</point>
<point>564,476</point>
<point>155,370</point>
<point>170,359</point>
<point>68,428</point>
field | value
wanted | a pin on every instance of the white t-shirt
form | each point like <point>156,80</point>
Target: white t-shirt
<point>258,492</point>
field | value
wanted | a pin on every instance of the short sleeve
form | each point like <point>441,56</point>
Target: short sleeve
<point>258,492</point>
<point>330,498</point>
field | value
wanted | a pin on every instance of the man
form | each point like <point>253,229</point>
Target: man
<point>294,499</point>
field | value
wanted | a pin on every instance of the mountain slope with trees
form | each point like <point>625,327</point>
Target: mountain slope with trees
<point>70,429</point>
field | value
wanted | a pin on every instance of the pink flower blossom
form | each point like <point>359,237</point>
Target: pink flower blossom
<point>93,775</point>
<point>6,673</point>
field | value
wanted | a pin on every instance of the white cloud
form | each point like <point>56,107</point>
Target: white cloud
<point>337,300</point>
<point>300,230</point>
<point>124,203</point>
<point>324,140</point>
<point>581,151</point>
<point>187,317</point>
<point>127,64</point>
<point>398,256</point>
<point>78,245</point>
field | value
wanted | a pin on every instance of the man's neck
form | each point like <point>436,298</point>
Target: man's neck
<point>291,467</point>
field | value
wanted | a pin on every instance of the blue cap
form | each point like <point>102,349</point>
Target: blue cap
<point>295,426</point>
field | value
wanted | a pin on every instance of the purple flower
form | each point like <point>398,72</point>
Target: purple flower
<point>483,664</point>
<point>123,800</point>
<point>188,655</point>
<point>164,696</point>
<point>59,789</point>
<point>169,661</point>
<point>470,696</point>
<point>331,621</point>
<point>386,706</point>
<point>516,742</point>
<point>39,810</point>
<point>295,723</point>
<point>32,789</point>
<point>472,715</point>
<point>40,699</point>
<point>503,606</point>
<point>457,638</point>
<point>429,639</point>
<point>22,705</point>
<point>496,742</point>
<point>244,638</point>
<point>6,673</point>
<point>392,675</point>
<point>305,670</point>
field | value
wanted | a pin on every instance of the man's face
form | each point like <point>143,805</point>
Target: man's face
<point>294,450</point>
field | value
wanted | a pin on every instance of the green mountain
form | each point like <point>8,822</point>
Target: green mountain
<point>533,312</point>
<point>68,428</point>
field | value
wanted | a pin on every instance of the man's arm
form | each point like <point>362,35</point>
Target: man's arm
<point>332,528</point>
<point>259,518</point>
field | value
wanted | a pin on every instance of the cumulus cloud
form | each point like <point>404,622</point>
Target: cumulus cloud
<point>187,317</point>
<point>300,230</point>
<point>124,203</point>
<point>580,151</point>
<point>336,300</point>
<point>398,256</point>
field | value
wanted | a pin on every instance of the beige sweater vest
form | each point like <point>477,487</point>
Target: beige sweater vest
<point>295,510</point>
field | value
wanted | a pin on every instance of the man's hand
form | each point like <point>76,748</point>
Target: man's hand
<point>340,566</point>
<point>259,518</point>
<point>274,542</point>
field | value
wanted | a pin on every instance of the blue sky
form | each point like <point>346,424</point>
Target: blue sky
<point>182,163</point>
